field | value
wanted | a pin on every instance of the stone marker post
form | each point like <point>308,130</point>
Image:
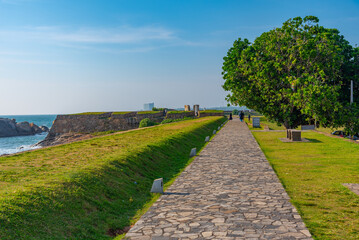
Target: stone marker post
<point>214,132</point>
<point>193,152</point>
<point>157,186</point>
<point>296,135</point>
<point>207,139</point>
<point>256,122</point>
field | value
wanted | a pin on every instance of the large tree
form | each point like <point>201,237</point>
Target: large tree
<point>293,74</point>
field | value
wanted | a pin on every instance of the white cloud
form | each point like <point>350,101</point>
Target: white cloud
<point>119,35</point>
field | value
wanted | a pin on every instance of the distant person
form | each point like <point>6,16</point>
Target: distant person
<point>249,117</point>
<point>241,116</point>
<point>230,116</point>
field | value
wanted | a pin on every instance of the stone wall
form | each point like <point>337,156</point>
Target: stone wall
<point>100,122</point>
<point>207,114</point>
<point>111,122</point>
<point>180,115</point>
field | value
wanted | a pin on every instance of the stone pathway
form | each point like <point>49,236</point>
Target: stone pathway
<point>228,192</point>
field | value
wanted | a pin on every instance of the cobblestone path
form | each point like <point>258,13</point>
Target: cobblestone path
<point>228,192</point>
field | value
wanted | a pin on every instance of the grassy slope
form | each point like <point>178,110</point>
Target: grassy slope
<point>81,190</point>
<point>312,174</point>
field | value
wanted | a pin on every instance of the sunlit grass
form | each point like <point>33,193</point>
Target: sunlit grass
<point>312,174</point>
<point>83,189</point>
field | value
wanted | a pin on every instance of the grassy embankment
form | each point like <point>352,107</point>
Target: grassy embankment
<point>312,174</point>
<point>93,188</point>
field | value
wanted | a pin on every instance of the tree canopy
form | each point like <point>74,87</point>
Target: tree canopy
<point>294,74</point>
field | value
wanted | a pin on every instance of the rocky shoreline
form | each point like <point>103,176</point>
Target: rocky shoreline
<point>10,128</point>
<point>62,139</point>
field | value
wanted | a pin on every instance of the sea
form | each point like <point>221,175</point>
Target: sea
<point>9,145</point>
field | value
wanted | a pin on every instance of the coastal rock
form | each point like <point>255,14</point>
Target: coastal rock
<point>44,128</point>
<point>24,128</point>
<point>7,127</point>
<point>10,128</point>
<point>65,138</point>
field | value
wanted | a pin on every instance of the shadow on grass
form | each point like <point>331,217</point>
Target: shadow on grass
<point>312,140</point>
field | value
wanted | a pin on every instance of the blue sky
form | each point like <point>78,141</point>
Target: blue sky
<point>103,55</point>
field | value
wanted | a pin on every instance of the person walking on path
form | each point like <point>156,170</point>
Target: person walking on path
<point>249,117</point>
<point>230,116</point>
<point>241,116</point>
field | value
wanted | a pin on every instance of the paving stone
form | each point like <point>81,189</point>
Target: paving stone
<point>228,192</point>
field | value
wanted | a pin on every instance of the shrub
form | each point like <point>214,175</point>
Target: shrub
<point>235,112</point>
<point>146,122</point>
<point>158,109</point>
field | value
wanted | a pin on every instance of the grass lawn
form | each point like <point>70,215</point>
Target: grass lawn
<point>263,122</point>
<point>93,188</point>
<point>212,111</point>
<point>312,174</point>
<point>327,130</point>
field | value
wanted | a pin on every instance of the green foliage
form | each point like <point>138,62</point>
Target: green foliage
<point>84,190</point>
<point>169,120</point>
<point>235,112</point>
<point>312,174</point>
<point>158,109</point>
<point>292,74</point>
<point>146,122</point>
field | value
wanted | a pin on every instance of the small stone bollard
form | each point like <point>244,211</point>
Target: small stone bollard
<point>296,135</point>
<point>219,128</point>
<point>214,132</point>
<point>157,186</point>
<point>193,152</point>
<point>207,139</point>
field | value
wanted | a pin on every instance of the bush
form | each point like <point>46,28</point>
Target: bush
<point>146,122</point>
<point>235,112</point>
<point>158,109</point>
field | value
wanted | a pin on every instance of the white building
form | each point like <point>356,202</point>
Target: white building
<point>148,106</point>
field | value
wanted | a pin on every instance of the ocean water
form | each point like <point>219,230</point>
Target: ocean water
<point>9,145</point>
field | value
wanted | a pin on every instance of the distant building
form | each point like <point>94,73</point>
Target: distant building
<point>148,106</point>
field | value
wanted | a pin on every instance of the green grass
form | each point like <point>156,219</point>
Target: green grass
<point>103,133</point>
<point>249,124</point>
<point>170,120</point>
<point>179,111</point>
<point>328,130</point>
<point>312,174</point>
<point>148,112</point>
<point>84,189</point>
<point>212,111</point>
<point>120,113</point>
